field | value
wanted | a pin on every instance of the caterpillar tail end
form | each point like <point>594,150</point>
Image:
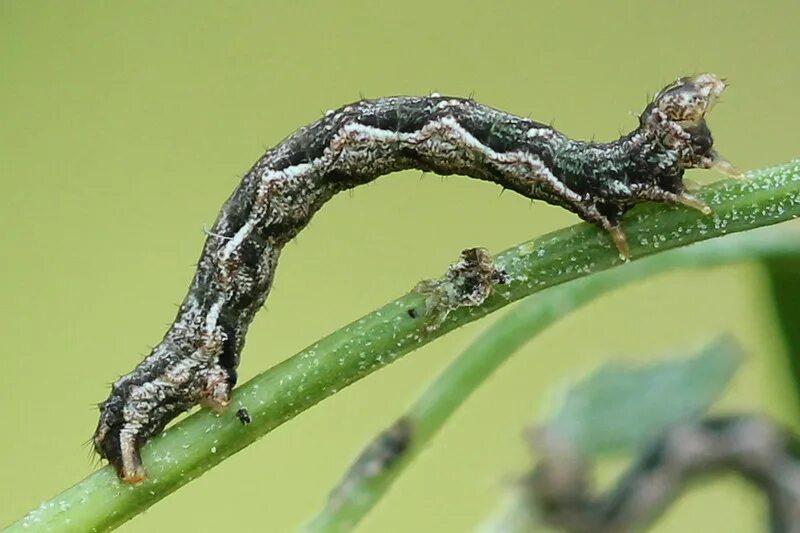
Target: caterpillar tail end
<point>121,449</point>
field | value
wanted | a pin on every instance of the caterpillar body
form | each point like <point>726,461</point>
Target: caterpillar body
<point>197,359</point>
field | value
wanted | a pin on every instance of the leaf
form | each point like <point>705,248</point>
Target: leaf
<point>620,407</point>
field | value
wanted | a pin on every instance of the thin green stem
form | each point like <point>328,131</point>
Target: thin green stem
<point>361,489</point>
<point>203,440</point>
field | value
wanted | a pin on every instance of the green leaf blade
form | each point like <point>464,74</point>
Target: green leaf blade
<point>620,407</point>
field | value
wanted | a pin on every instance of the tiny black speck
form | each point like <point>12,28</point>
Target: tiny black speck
<point>243,415</point>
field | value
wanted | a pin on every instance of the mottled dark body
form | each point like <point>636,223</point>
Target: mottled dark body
<point>197,359</point>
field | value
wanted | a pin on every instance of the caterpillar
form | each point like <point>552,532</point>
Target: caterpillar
<point>197,359</point>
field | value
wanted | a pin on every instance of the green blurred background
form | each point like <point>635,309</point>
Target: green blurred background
<point>123,126</point>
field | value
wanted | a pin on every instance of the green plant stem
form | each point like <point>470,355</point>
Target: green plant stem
<point>201,441</point>
<point>783,277</point>
<point>358,494</point>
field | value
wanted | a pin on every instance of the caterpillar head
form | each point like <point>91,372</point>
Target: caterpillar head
<point>687,100</point>
<point>677,116</point>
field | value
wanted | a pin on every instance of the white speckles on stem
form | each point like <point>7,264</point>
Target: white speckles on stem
<point>529,271</point>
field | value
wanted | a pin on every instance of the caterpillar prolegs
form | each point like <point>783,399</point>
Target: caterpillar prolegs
<point>197,359</point>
